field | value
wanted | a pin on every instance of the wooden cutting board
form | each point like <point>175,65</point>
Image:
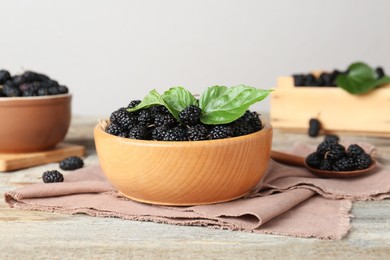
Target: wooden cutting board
<point>15,161</point>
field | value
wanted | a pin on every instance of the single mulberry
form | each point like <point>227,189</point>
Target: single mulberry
<point>158,132</point>
<point>333,138</point>
<point>325,147</point>
<point>220,132</point>
<point>313,160</point>
<point>354,150</point>
<point>164,119</point>
<point>344,164</point>
<point>138,132</point>
<point>145,117</point>
<point>190,115</point>
<point>175,134</point>
<point>52,176</point>
<point>337,152</point>
<point>362,161</point>
<point>197,133</point>
<point>114,129</point>
<point>71,163</point>
<point>314,127</point>
<point>326,165</point>
<point>134,103</point>
<point>159,109</point>
<point>10,90</point>
<point>4,76</point>
<point>123,118</point>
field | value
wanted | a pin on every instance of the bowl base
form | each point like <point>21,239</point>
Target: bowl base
<point>183,203</point>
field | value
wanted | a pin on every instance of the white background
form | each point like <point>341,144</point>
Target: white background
<point>110,52</point>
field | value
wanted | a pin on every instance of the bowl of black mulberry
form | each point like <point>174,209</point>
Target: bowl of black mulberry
<point>35,112</point>
<point>171,150</point>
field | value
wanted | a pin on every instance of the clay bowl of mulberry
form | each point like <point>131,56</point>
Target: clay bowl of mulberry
<point>183,173</point>
<point>30,124</point>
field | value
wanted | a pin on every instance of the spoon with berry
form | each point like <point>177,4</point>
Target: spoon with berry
<point>332,160</point>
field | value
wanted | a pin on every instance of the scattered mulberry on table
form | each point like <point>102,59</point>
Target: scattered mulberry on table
<point>71,163</point>
<point>52,176</point>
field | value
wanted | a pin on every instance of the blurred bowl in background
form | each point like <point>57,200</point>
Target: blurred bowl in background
<point>31,124</point>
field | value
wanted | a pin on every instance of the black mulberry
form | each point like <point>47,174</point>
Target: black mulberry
<point>313,160</point>
<point>326,165</point>
<point>114,129</point>
<point>71,163</point>
<point>333,138</point>
<point>314,127</point>
<point>354,150</point>
<point>4,76</point>
<point>220,132</point>
<point>138,132</point>
<point>134,103</point>
<point>175,134</point>
<point>123,118</point>
<point>190,115</point>
<point>344,164</point>
<point>145,117</point>
<point>325,147</point>
<point>52,176</point>
<point>197,133</point>
<point>337,152</point>
<point>158,133</point>
<point>164,119</point>
<point>362,161</point>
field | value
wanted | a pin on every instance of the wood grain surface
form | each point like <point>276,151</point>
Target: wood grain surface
<point>16,161</point>
<point>43,235</point>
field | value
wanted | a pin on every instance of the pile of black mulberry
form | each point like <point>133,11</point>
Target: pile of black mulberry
<point>157,123</point>
<point>332,156</point>
<point>29,84</point>
<point>327,79</point>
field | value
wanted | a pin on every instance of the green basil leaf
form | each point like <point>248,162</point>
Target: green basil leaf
<point>222,105</point>
<point>360,79</point>
<point>152,99</point>
<point>178,98</point>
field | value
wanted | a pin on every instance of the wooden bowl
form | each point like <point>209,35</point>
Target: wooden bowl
<point>186,172</point>
<point>31,124</point>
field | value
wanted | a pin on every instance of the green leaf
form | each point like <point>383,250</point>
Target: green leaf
<point>152,99</point>
<point>222,105</point>
<point>178,98</point>
<point>360,79</point>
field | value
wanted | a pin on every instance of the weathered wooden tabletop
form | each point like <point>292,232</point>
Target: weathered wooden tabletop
<point>42,235</point>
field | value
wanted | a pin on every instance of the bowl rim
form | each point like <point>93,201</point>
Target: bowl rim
<point>266,128</point>
<point>5,99</point>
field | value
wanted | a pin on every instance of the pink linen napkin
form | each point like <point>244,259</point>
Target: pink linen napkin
<point>290,201</point>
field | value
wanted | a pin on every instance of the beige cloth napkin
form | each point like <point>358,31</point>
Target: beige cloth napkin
<point>290,201</point>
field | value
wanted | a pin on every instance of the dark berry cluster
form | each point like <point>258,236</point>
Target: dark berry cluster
<point>29,84</point>
<point>157,123</point>
<point>327,79</point>
<point>332,156</point>
<point>52,176</point>
<point>71,163</point>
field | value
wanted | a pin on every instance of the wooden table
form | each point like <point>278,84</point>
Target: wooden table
<point>42,235</point>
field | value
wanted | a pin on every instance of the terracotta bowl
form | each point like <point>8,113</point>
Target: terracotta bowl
<point>184,173</point>
<point>31,124</point>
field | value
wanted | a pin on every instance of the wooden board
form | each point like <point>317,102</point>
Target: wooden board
<point>337,110</point>
<point>15,161</point>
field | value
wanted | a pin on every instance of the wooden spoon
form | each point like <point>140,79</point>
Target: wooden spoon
<point>301,161</point>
